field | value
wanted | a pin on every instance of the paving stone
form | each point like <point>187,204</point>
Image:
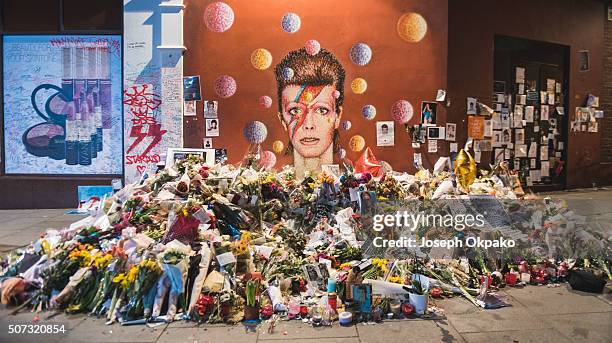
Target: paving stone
<point>522,336</point>
<point>591,327</point>
<point>94,330</point>
<point>516,317</point>
<point>411,330</point>
<point>206,334</point>
<point>544,300</point>
<point>299,330</point>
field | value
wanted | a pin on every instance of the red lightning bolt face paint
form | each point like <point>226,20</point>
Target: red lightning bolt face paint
<point>310,115</point>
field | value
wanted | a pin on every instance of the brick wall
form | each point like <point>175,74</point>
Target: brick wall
<point>606,96</point>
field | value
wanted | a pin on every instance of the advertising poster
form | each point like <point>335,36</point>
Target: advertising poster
<point>62,105</point>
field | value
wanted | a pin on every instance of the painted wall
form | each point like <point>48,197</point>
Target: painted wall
<point>397,70</point>
<point>578,24</point>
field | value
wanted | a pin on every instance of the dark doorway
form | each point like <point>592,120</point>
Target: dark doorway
<point>534,78</point>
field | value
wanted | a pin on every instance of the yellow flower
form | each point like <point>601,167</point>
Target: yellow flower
<point>396,279</point>
<point>121,280</point>
<point>131,276</point>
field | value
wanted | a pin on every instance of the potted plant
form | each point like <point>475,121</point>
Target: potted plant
<point>251,310</point>
<point>418,297</point>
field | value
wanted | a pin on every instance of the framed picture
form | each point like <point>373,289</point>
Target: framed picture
<point>428,112</point>
<point>43,77</point>
<point>177,154</point>
<point>435,132</point>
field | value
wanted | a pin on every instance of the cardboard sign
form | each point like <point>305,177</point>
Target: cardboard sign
<point>476,127</point>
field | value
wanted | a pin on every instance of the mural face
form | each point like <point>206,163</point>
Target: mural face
<point>310,105</point>
<point>309,114</point>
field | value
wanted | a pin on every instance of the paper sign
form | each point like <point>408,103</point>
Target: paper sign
<point>476,127</point>
<point>454,147</point>
<point>432,145</point>
<point>226,258</point>
<point>354,193</point>
<point>520,75</point>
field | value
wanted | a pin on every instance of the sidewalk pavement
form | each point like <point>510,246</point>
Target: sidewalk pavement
<point>537,314</point>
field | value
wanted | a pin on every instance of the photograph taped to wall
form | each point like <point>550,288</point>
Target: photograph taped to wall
<point>583,60</point>
<point>428,112</point>
<point>176,154</point>
<point>441,95</point>
<point>189,109</point>
<point>472,106</point>
<point>212,127</point>
<point>210,108</point>
<point>191,88</point>
<point>207,143</point>
<point>451,132</point>
<point>385,133</point>
<point>49,87</point>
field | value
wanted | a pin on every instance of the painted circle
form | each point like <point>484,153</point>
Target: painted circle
<point>225,86</point>
<point>218,17</point>
<point>312,47</point>
<point>368,112</point>
<point>255,132</point>
<point>267,159</point>
<point>412,27</point>
<point>359,85</point>
<point>360,54</point>
<point>346,125</point>
<point>357,143</point>
<point>291,22</point>
<point>402,111</point>
<point>278,147</point>
<point>261,59</point>
<point>265,101</point>
<point>288,73</point>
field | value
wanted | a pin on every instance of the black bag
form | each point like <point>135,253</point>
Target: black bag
<point>586,281</point>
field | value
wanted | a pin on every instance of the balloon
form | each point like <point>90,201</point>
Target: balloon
<point>357,143</point>
<point>411,27</point>
<point>218,17</point>
<point>346,124</point>
<point>291,22</point>
<point>267,159</point>
<point>225,86</point>
<point>402,111</point>
<point>359,85</point>
<point>367,163</point>
<point>465,169</point>
<point>368,112</point>
<point>360,54</point>
<point>261,59</point>
<point>265,101</point>
<point>312,47</point>
<point>278,147</point>
<point>255,132</point>
<point>288,73</point>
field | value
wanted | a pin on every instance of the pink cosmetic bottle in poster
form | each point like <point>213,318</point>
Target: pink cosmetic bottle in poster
<point>68,71</point>
<point>105,95</point>
<point>72,135</point>
<point>93,88</point>
<point>84,135</point>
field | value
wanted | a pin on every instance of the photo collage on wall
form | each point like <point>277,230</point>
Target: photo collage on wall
<point>525,127</point>
<point>584,119</point>
<point>192,94</point>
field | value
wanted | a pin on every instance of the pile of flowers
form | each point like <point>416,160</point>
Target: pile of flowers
<point>224,244</point>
